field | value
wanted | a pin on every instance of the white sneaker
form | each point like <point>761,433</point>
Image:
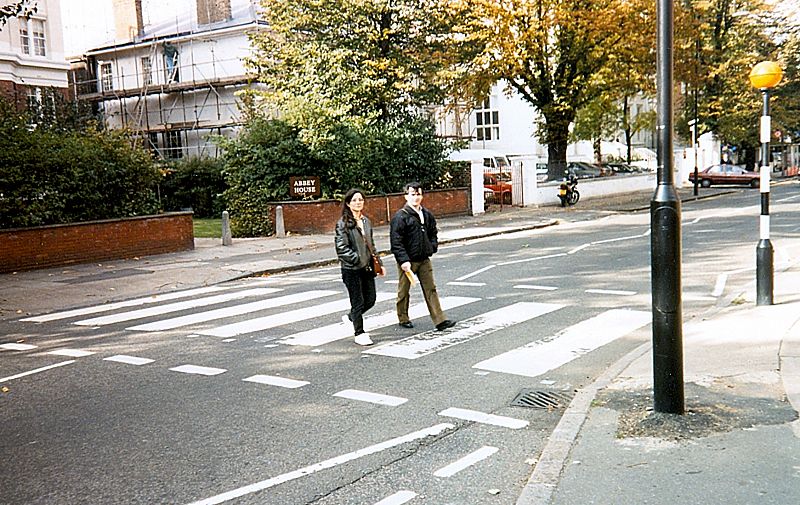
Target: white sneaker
<point>363,339</point>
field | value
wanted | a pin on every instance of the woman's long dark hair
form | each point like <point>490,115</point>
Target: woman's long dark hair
<point>347,214</point>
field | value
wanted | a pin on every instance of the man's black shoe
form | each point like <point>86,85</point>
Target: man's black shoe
<point>406,324</point>
<point>445,324</point>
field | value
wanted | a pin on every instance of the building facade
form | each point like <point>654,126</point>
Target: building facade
<point>174,84</point>
<point>32,63</point>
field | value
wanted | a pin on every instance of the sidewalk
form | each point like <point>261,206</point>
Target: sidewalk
<point>739,442</point>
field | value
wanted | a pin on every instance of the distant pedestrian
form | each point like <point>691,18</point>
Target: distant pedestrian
<point>355,248</point>
<point>414,239</point>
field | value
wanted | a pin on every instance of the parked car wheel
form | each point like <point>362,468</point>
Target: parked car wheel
<point>706,183</point>
<point>507,198</point>
<point>754,183</point>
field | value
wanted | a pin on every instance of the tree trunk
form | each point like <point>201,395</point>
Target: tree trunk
<point>626,123</point>
<point>557,137</point>
<point>598,150</point>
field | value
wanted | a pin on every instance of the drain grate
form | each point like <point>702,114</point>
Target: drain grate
<point>538,399</point>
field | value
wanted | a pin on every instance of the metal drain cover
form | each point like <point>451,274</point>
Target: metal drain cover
<point>538,399</point>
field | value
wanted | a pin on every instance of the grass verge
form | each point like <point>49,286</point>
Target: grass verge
<point>207,228</point>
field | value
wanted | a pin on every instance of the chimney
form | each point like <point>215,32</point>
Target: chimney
<point>213,11</point>
<point>128,20</point>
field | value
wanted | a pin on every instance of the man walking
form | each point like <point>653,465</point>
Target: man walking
<point>414,239</point>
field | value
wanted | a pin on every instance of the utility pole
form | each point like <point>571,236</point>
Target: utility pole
<point>665,241</point>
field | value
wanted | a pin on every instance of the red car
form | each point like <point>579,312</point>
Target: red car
<point>500,183</point>
<point>726,174</point>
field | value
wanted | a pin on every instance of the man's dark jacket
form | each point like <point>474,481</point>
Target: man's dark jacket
<point>411,240</point>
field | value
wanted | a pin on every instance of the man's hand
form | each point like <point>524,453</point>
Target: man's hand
<point>405,267</point>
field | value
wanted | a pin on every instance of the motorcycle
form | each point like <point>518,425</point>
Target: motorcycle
<point>568,191</point>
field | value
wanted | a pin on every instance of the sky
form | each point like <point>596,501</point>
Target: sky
<point>90,23</point>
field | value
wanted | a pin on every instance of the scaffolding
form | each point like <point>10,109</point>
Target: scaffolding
<point>174,92</point>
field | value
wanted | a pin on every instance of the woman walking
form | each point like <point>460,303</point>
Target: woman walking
<point>355,249</point>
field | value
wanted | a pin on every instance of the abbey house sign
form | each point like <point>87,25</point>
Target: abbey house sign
<point>304,186</point>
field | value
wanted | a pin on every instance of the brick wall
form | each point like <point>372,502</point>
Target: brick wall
<point>57,245</point>
<point>320,216</point>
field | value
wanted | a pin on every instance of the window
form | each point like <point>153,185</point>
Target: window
<point>41,104</point>
<point>487,122</point>
<point>32,35</point>
<point>171,63</point>
<point>147,71</point>
<point>173,146</point>
<point>39,46</point>
<point>106,77</point>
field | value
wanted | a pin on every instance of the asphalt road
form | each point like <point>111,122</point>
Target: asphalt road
<point>266,400</point>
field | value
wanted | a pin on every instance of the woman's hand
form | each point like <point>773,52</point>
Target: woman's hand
<point>382,273</point>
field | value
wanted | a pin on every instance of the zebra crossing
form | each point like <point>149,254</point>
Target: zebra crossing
<point>199,313</point>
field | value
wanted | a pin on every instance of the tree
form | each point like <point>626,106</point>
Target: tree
<point>359,60</point>
<point>19,8</point>
<point>549,51</point>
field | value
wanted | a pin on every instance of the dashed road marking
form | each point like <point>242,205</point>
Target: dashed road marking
<point>465,462</point>
<point>399,498</point>
<point>272,380</point>
<point>17,347</point>
<point>483,418</point>
<point>129,360</point>
<point>198,370</point>
<point>366,396</point>
<point>72,353</point>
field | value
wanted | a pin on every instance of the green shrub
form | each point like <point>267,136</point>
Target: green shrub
<point>196,183</point>
<point>59,175</point>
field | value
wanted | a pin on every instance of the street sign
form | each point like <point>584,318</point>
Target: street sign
<point>304,186</point>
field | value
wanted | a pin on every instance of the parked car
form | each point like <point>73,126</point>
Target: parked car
<point>500,184</point>
<point>583,170</point>
<point>488,197</point>
<point>621,168</point>
<point>726,174</point>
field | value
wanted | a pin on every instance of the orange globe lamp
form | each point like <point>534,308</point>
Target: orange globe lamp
<point>766,75</point>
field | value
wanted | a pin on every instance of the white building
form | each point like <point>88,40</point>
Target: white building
<point>173,82</point>
<point>507,124</point>
<point>32,63</point>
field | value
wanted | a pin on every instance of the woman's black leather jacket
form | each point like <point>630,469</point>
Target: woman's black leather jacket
<point>351,249</point>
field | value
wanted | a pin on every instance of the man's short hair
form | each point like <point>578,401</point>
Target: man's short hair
<point>412,185</point>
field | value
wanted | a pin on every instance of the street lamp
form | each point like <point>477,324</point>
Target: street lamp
<point>764,76</point>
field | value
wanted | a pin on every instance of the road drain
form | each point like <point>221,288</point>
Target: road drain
<point>538,399</point>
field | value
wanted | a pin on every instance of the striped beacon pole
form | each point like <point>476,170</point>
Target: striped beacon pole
<point>764,76</point>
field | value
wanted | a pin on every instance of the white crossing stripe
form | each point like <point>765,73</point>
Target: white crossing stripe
<point>17,347</point>
<point>72,353</point>
<point>272,380</point>
<point>31,372</point>
<point>541,356</point>
<point>292,316</point>
<point>465,462</point>
<point>199,370</point>
<point>130,360</point>
<point>174,307</point>
<point>464,331</point>
<point>333,332</point>
<point>476,272</point>
<point>120,305</point>
<point>366,396</point>
<point>533,286</point>
<point>399,498</point>
<point>610,292</point>
<point>237,310</point>
<point>468,284</point>
<point>323,465</point>
<point>483,418</point>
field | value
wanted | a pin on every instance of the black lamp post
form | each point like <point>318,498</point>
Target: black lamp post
<point>764,76</point>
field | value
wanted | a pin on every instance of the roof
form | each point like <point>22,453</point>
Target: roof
<point>243,12</point>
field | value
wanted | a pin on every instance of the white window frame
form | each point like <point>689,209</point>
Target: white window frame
<point>147,70</point>
<point>487,122</point>
<point>33,36</point>
<point>106,77</point>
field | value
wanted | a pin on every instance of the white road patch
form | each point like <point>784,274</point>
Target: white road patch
<point>484,418</point>
<point>174,307</point>
<point>338,331</point>
<point>579,248</point>
<point>130,360</point>
<point>399,498</point>
<point>323,465</point>
<point>464,331</point>
<point>272,380</point>
<point>31,372</point>
<point>119,305</point>
<point>610,292</point>
<point>476,272</point>
<point>17,347</point>
<point>465,462</point>
<point>198,370</point>
<point>71,353</point>
<point>473,284</point>
<point>532,286</point>
<point>288,317</point>
<point>236,310</point>
<point>366,396</point>
<point>719,287</point>
<point>537,258</point>
<point>542,356</point>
